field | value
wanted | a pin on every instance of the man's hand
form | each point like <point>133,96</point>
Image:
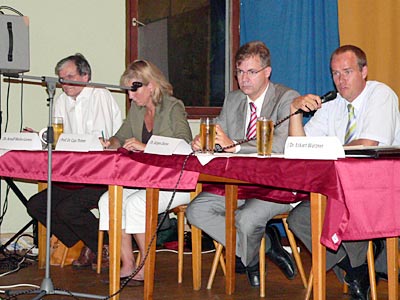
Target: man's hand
<point>222,139</point>
<point>306,103</point>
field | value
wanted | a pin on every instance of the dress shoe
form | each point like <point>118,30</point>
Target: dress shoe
<point>105,260</point>
<point>278,255</point>
<point>85,260</point>
<point>240,268</point>
<point>253,275</point>
<point>358,287</point>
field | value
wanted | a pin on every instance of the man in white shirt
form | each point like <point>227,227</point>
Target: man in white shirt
<point>85,110</point>
<point>364,113</point>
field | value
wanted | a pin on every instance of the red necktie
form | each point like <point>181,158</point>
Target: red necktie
<point>251,129</point>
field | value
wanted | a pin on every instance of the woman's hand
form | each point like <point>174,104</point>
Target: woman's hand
<point>196,145</point>
<point>133,144</point>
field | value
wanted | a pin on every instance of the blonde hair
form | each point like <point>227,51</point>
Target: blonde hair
<point>147,72</point>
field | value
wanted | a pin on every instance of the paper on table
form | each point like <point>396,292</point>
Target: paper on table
<point>205,158</point>
<point>167,146</point>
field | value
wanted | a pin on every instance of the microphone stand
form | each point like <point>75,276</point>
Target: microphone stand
<point>47,287</point>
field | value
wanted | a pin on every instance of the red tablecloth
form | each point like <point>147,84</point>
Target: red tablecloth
<point>363,194</point>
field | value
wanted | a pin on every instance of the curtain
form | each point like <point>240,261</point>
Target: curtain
<point>301,36</point>
<point>374,26</point>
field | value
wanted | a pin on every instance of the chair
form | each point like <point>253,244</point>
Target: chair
<point>293,246</point>
<point>371,271</point>
<point>180,213</point>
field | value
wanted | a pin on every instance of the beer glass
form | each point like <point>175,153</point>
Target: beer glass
<point>58,129</point>
<point>265,135</point>
<point>207,135</point>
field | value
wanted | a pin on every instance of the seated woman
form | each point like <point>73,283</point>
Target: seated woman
<point>153,111</point>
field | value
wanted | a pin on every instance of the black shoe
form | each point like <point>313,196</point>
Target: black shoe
<point>253,275</point>
<point>278,255</point>
<point>240,268</point>
<point>378,246</point>
<point>358,287</point>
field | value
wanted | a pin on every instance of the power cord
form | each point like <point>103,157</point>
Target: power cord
<point>125,282</point>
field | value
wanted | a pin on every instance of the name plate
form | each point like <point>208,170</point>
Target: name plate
<point>78,143</point>
<point>304,147</point>
<point>167,146</point>
<point>20,141</point>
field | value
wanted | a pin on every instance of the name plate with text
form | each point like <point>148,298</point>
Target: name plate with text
<point>167,146</point>
<point>20,141</point>
<point>304,147</point>
<point>78,143</point>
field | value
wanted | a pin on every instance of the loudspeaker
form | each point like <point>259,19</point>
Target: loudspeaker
<point>14,44</point>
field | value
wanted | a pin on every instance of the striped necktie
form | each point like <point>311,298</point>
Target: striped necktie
<point>251,129</point>
<point>351,125</point>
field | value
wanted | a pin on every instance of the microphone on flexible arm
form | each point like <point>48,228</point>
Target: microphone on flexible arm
<point>325,98</point>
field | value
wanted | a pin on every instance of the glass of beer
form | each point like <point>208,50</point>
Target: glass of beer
<point>265,135</point>
<point>58,129</point>
<point>207,135</point>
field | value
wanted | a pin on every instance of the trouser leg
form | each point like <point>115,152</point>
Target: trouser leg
<point>37,208</point>
<point>76,214</point>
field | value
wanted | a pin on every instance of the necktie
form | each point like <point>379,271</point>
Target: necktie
<point>351,125</point>
<point>251,129</point>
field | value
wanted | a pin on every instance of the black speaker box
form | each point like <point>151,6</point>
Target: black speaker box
<point>14,44</point>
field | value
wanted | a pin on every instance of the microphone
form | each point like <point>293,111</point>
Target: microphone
<point>329,96</point>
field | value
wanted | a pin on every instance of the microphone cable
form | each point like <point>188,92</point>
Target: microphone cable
<point>140,266</point>
<point>331,95</point>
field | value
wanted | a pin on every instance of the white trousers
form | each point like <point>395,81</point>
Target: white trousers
<point>134,208</point>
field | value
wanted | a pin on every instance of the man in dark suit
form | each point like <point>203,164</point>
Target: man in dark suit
<point>207,211</point>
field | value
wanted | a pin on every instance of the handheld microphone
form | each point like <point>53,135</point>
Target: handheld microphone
<point>329,96</point>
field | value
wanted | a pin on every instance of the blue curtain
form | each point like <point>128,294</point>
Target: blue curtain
<point>301,35</point>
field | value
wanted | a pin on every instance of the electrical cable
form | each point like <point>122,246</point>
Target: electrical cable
<point>125,282</point>
<point>22,106</point>
<point>10,8</point>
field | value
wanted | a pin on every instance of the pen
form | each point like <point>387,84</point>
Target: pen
<point>102,135</point>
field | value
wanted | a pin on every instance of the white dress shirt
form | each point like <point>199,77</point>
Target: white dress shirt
<point>93,112</point>
<point>377,116</point>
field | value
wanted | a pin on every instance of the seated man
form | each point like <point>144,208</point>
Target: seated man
<point>257,97</point>
<point>364,113</point>
<point>85,110</point>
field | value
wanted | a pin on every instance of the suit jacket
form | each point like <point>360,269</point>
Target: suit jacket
<point>276,106</point>
<point>169,120</point>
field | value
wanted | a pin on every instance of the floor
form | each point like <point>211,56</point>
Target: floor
<point>166,286</point>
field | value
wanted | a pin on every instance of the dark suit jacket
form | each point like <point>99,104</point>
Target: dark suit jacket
<point>276,106</point>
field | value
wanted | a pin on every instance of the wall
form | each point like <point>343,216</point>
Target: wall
<point>95,28</point>
<point>374,26</point>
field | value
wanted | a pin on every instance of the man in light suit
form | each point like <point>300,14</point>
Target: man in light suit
<point>207,211</point>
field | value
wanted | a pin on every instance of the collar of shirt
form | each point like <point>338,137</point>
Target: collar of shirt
<point>258,103</point>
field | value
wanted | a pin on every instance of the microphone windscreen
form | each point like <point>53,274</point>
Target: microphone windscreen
<point>329,96</point>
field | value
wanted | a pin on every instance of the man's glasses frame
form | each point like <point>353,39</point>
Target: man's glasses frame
<point>250,73</point>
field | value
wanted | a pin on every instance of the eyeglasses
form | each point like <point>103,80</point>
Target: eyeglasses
<point>250,73</point>
<point>136,85</point>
